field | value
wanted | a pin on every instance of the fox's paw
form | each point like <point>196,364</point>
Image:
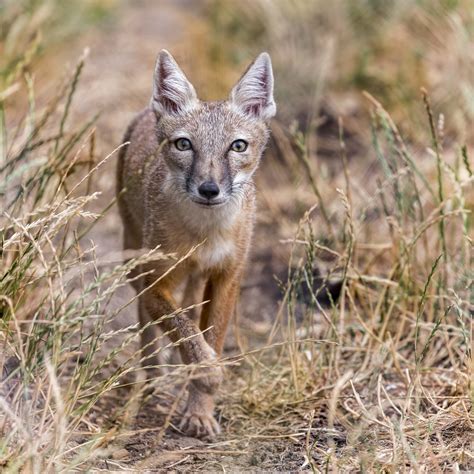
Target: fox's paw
<point>198,420</point>
<point>207,379</point>
<point>199,425</point>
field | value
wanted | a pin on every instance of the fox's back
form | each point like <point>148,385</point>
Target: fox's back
<point>141,146</point>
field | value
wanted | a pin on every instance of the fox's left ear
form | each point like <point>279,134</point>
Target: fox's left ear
<point>253,94</point>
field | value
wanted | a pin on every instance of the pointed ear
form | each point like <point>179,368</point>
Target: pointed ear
<point>172,92</point>
<point>253,94</point>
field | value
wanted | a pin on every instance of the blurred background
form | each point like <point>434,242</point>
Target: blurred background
<point>325,57</point>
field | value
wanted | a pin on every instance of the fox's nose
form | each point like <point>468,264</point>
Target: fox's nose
<point>208,189</point>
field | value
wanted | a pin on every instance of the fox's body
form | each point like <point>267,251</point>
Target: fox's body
<point>185,181</point>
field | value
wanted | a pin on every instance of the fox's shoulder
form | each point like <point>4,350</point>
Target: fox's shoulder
<point>140,139</point>
<point>139,143</point>
<point>142,129</point>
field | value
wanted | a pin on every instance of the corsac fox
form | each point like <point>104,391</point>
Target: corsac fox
<point>185,180</point>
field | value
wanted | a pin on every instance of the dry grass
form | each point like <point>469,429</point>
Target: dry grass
<point>378,378</point>
<point>382,378</point>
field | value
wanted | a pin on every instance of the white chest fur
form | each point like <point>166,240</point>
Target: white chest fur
<point>210,229</point>
<point>214,252</point>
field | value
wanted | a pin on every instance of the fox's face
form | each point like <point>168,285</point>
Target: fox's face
<point>212,149</point>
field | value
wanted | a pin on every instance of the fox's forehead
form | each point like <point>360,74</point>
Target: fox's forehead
<point>215,123</point>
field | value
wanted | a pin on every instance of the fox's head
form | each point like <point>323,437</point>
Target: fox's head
<point>212,149</point>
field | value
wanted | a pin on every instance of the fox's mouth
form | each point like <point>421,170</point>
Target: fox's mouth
<point>209,203</point>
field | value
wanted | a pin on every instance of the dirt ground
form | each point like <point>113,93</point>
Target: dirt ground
<point>117,80</point>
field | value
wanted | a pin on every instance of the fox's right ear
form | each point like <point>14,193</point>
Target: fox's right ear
<point>172,92</point>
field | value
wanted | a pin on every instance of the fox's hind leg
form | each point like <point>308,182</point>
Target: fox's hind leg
<point>149,342</point>
<point>222,290</point>
<point>192,294</point>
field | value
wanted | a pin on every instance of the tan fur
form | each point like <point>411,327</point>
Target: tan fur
<point>157,186</point>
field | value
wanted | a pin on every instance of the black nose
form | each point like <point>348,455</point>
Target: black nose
<point>208,189</point>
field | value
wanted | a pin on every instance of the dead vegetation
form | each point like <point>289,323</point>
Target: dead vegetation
<point>366,364</point>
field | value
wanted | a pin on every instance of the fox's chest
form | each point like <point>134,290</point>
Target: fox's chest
<point>215,251</point>
<point>214,233</point>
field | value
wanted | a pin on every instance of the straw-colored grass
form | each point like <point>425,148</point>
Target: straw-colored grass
<point>382,378</point>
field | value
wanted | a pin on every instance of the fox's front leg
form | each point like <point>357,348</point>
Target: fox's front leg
<point>199,419</point>
<point>221,289</point>
<point>194,349</point>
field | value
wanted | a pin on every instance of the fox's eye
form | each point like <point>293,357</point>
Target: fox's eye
<point>183,144</point>
<point>239,146</point>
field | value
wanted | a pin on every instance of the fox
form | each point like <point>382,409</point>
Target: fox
<point>185,181</point>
